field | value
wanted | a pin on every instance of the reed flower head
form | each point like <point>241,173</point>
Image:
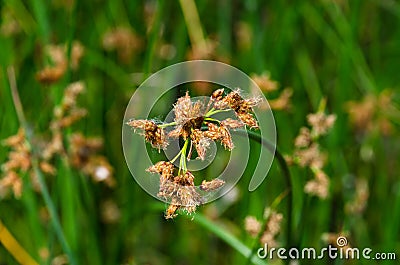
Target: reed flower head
<point>152,132</point>
<point>179,190</point>
<point>124,41</point>
<point>19,161</point>
<point>252,226</point>
<point>195,125</point>
<point>308,153</point>
<point>188,115</point>
<point>241,107</point>
<point>320,122</point>
<point>359,203</point>
<point>269,86</point>
<point>58,56</point>
<point>211,185</point>
<point>374,113</point>
<point>319,185</point>
<point>269,230</point>
<point>272,229</point>
<point>83,155</point>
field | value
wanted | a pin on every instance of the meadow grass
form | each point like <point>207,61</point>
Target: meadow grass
<point>338,50</point>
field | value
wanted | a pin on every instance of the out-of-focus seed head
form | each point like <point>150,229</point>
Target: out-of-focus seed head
<point>283,101</point>
<point>265,83</point>
<point>319,186</point>
<point>311,156</point>
<point>252,226</point>
<point>303,139</point>
<point>273,228</point>
<point>124,41</point>
<point>320,122</point>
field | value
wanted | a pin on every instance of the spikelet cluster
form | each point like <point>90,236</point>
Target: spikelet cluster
<point>308,153</point>
<point>268,231</point>
<point>81,153</point>
<point>194,124</point>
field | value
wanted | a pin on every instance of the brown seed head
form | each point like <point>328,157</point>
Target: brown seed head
<point>225,138</point>
<point>248,119</point>
<point>212,185</point>
<point>152,133</point>
<point>232,124</point>
<point>283,101</point>
<point>272,229</point>
<point>252,226</point>
<point>124,41</point>
<point>310,156</point>
<point>320,122</point>
<point>319,186</point>
<point>218,94</point>
<point>201,143</point>
<point>171,211</point>
<point>15,140</point>
<point>265,82</point>
<point>164,168</point>
<point>219,133</point>
<point>303,139</point>
<point>188,115</point>
<point>13,181</point>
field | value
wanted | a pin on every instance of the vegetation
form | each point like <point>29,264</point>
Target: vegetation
<point>68,69</point>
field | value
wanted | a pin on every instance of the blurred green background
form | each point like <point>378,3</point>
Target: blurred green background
<point>343,51</point>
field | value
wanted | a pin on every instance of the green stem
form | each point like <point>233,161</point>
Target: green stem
<point>176,157</point>
<point>35,165</point>
<point>167,124</point>
<point>218,230</point>
<point>211,119</point>
<point>182,162</point>
<point>227,238</point>
<point>286,174</point>
<point>212,112</point>
<point>53,213</point>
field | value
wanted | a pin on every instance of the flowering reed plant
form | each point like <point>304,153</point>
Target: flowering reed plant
<point>196,125</point>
